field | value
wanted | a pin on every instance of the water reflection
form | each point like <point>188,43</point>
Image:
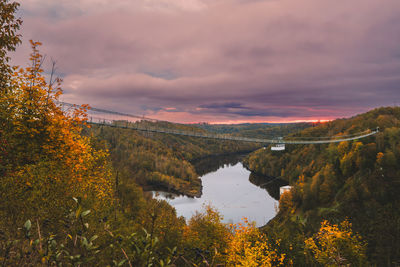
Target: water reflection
<point>271,184</point>
<point>213,163</point>
<point>227,187</point>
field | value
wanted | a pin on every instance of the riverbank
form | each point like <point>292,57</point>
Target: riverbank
<point>230,191</point>
<point>202,166</point>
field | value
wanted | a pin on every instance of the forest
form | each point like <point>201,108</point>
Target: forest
<point>164,161</point>
<point>357,180</point>
<point>161,161</point>
<point>72,194</point>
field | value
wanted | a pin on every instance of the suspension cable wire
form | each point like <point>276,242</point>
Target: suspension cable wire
<point>155,128</point>
<point>110,112</point>
<point>227,137</point>
<point>329,137</point>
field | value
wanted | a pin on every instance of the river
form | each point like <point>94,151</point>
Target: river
<point>232,190</point>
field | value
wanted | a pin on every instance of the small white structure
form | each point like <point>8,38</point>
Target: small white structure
<point>284,189</point>
<point>278,146</point>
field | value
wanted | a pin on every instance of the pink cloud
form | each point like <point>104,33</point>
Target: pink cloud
<point>299,59</point>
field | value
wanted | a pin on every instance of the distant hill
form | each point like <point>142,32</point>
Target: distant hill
<point>255,129</point>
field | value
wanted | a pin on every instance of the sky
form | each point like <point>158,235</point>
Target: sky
<point>221,61</point>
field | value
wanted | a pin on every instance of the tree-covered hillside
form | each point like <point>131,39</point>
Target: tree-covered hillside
<point>255,130</point>
<point>162,161</point>
<point>358,180</point>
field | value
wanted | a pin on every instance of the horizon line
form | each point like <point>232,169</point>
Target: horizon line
<point>260,122</point>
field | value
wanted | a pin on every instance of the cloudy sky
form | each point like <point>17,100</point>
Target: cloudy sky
<point>221,60</point>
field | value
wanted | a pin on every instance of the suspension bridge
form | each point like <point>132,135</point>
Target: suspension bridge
<point>97,116</point>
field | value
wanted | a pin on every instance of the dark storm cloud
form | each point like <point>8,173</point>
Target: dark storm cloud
<point>228,105</point>
<point>188,60</point>
<point>236,108</point>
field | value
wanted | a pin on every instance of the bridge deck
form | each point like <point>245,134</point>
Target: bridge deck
<point>134,118</point>
<point>235,138</point>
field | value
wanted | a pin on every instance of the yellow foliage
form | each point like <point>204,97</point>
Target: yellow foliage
<point>286,202</point>
<point>48,157</point>
<point>379,158</point>
<point>206,231</point>
<point>249,247</point>
<point>336,245</point>
<point>343,147</point>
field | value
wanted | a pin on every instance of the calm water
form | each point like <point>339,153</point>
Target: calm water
<point>230,191</point>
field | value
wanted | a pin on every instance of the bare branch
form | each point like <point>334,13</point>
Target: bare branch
<point>40,236</point>
<point>126,256</point>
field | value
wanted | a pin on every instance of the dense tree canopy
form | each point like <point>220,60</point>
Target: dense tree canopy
<point>358,180</point>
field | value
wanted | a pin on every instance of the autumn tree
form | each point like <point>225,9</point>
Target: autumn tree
<point>336,245</point>
<point>48,161</point>
<point>286,202</point>
<point>206,237</point>
<point>249,247</point>
<point>9,39</point>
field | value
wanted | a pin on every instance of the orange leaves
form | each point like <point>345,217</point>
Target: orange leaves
<point>206,232</point>
<point>249,247</point>
<point>286,203</point>
<point>34,44</point>
<point>379,158</point>
<point>41,132</point>
<point>336,245</point>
